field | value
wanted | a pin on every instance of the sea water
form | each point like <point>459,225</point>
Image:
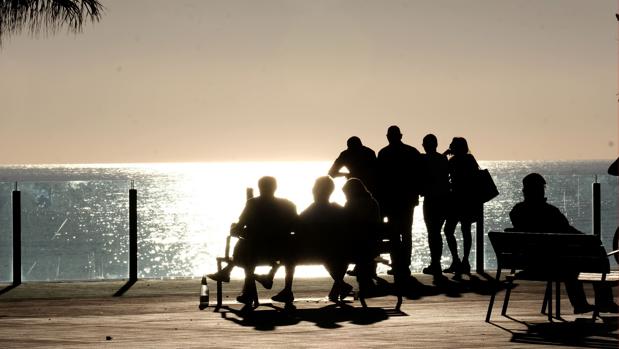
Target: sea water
<point>75,217</point>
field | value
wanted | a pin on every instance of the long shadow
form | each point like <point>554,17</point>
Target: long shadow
<point>8,288</point>
<point>125,288</point>
<point>451,287</point>
<point>330,316</point>
<point>582,333</point>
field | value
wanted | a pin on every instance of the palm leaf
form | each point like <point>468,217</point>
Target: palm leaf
<point>46,16</point>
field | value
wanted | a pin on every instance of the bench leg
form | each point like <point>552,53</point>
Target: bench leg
<point>219,291</point>
<point>549,296</point>
<point>545,302</point>
<point>558,299</point>
<point>508,293</point>
<point>496,290</point>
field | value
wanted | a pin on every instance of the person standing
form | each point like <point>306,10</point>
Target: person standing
<point>434,187</point>
<point>398,194</point>
<point>360,162</point>
<point>464,208</point>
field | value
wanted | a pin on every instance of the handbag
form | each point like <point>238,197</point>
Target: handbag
<point>485,189</point>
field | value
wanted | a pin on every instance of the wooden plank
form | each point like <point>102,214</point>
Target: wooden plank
<point>164,314</point>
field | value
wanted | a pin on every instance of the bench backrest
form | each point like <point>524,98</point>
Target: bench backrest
<point>550,253</point>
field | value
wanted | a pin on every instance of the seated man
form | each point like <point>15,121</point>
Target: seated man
<point>264,230</point>
<point>319,238</point>
<point>535,215</point>
<point>362,230</point>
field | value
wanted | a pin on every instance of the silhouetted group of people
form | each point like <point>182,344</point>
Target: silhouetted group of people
<point>381,194</point>
<point>381,191</point>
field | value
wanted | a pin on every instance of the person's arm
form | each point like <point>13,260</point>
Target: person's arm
<point>238,229</point>
<point>334,171</point>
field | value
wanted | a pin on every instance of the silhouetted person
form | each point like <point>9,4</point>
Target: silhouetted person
<point>613,169</point>
<point>463,207</point>
<point>264,230</point>
<point>360,162</point>
<point>434,187</point>
<point>363,226</point>
<point>535,215</point>
<point>320,236</point>
<point>398,194</point>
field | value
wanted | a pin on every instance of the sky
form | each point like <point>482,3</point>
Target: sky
<point>291,80</point>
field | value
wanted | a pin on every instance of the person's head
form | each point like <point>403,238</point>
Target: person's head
<point>393,134</point>
<point>354,188</point>
<point>533,187</point>
<point>430,143</point>
<point>323,188</point>
<point>267,186</point>
<point>459,146</point>
<point>354,142</point>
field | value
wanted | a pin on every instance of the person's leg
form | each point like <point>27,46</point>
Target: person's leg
<point>434,222</point>
<point>337,270</point>
<point>449,231</point>
<point>577,297</point>
<point>286,295</point>
<point>290,268</point>
<point>604,298</point>
<point>364,276</point>
<point>467,242</point>
<point>407,238</point>
<point>249,292</point>
<point>239,256</point>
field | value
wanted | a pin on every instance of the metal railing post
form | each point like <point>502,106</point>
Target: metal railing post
<point>16,236</point>
<point>133,234</point>
<point>596,208</point>
<point>479,242</point>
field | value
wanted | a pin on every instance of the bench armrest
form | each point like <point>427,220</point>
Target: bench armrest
<point>227,252</point>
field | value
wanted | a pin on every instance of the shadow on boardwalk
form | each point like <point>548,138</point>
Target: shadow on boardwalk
<point>328,317</point>
<point>482,285</point>
<point>580,333</point>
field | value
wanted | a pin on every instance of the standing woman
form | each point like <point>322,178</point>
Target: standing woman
<point>464,208</point>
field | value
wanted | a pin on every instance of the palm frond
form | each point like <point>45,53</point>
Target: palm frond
<point>46,16</point>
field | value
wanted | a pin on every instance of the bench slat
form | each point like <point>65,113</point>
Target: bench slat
<point>613,276</point>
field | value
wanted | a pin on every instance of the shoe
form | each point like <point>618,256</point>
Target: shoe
<point>432,270</point>
<point>584,308</point>
<point>220,276</point>
<point>453,268</point>
<point>265,281</point>
<point>245,299</point>
<point>334,294</point>
<point>609,308</point>
<point>345,291</point>
<point>465,268</point>
<point>284,296</point>
<point>390,272</point>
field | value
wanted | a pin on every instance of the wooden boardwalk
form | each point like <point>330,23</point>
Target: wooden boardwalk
<point>164,314</point>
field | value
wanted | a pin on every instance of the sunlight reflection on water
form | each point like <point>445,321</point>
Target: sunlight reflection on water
<point>75,216</point>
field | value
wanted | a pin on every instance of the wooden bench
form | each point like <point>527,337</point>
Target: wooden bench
<point>550,258</point>
<point>383,248</point>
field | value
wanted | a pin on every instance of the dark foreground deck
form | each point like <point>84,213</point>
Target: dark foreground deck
<point>160,314</point>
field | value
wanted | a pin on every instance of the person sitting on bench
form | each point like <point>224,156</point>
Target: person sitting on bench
<point>264,230</point>
<point>535,215</point>
<point>362,229</point>
<point>320,238</point>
